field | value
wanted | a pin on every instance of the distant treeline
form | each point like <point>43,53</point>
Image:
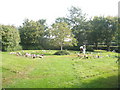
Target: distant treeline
<point>65,33</point>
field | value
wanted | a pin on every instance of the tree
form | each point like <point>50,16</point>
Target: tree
<point>96,34</point>
<point>110,28</point>
<point>76,17</point>
<point>118,36</point>
<point>61,35</point>
<point>78,24</point>
<point>32,33</point>
<point>10,38</point>
<point>43,22</point>
<point>62,19</point>
<point>103,30</point>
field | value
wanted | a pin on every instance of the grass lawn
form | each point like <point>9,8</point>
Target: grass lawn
<point>66,71</point>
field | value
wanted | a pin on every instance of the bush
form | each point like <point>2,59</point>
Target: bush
<point>76,48</point>
<point>32,47</point>
<point>62,53</point>
<point>114,48</point>
<point>89,48</point>
<point>17,48</point>
<point>10,48</point>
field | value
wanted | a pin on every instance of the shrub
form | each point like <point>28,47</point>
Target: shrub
<point>89,48</point>
<point>114,48</point>
<point>62,53</point>
<point>17,48</point>
<point>76,48</point>
<point>32,47</point>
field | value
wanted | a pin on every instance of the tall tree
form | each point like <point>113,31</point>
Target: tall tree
<point>62,19</point>
<point>97,33</point>
<point>10,38</point>
<point>110,28</point>
<point>76,16</point>
<point>61,35</point>
<point>103,30</point>
<point>78,23</point>
<point>118,37</point>
<point>31,33</point>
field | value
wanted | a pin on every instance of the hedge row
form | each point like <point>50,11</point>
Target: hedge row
<point>92,48</point>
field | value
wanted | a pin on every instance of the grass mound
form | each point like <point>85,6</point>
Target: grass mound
<point>62,53</point>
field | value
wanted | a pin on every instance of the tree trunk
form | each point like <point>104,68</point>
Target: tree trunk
<point>108,47</point>
<point>96,46</point>
<point>61,47</point>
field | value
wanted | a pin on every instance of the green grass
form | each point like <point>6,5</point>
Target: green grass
<point>53,71</point>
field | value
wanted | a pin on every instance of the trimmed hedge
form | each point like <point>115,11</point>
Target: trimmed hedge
<point>89,48</point>
<point>32,47</point>
<point>62,53</point>
<point>116,48</point>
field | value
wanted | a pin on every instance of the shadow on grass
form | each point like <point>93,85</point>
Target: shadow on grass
<point>108,82</point>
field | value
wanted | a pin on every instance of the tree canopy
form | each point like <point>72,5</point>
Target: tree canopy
<point>32,32</point>
<point>10,38</point>
<point>74,29</point>
<point>62,35</point>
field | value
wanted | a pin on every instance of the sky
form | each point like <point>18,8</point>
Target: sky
<point>14,12</point>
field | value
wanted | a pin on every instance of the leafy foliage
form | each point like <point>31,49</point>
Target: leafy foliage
<point>78,24</point>
<point>61,35</point>
<point>10,38</point>
<point>32,33</point>
<point>103,30</point>
<point>74,29</point>
<point>89,48</point>
<point>62,53</point>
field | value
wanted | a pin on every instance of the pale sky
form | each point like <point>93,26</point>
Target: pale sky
<point>13,12</point>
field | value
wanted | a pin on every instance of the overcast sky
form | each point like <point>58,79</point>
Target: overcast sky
<point>13,12</point>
